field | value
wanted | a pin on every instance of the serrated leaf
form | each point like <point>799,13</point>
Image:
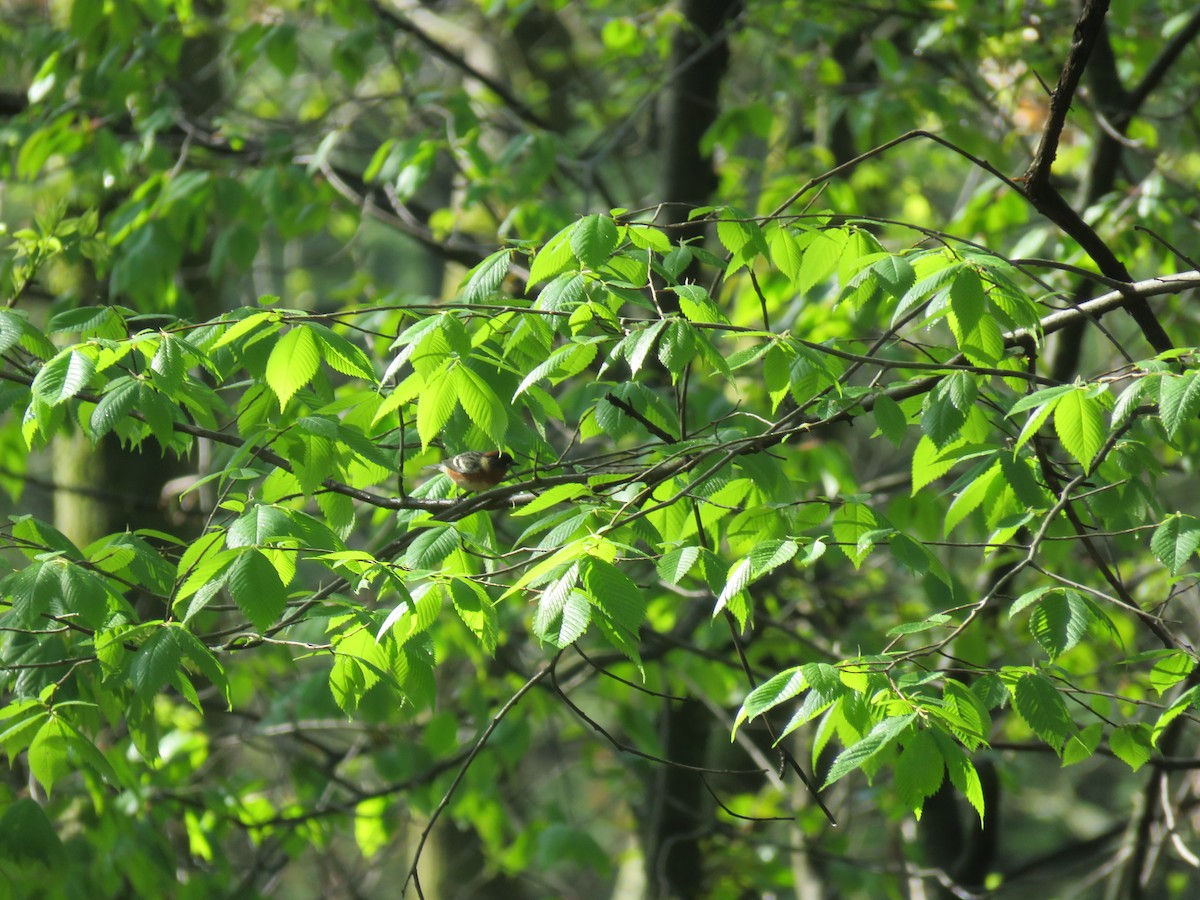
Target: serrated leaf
<point>257,589</point>
<point>770,555</point>
<point>1175,540</point>
<point>919,770</point>
<point>777,689</point>
<point>735,582</point>
<point>1082,744</point>
<point>785,252</point>
<point>942,421</point>
<point>1038,398</point>
<point>879,737</point>
<point>559,493</point>
<point>1034,423</point>
<point>63,377</point>
<point>1060,621</point>
<point>1079,421</point>
<point>675,564</point>
<point>890,419</point>
<point>435,405</point>
<point>1179,401</point>
<point>554,258</point>
<point>962,772</point>
<point>155,662</point>
<point>48,755</point>
<point>485,279</point>
<point>593,240</point>
<point>1171,669</point>
<point>480,403</point>
<point>970,497</point>
<point>341,355</point>
<point>1131,744</point>
<point>1039,703</point>
<point>967,299</point>
<point>293,362</point>
<point>820,259</point>
<point>477,612</point>
<point>431,546</point>
<point>118,400</point>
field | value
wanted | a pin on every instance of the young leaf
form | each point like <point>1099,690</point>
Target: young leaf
<point>1179,401</point>
<point>257,589</point>
<point>594,239</point>
<point>879,737</point>
<point>1131,744</point>
<point>1039,703</point>
<point>294,361</point>
<point>155,662</point>
<point>919,770</point>
<point>1175,540</point>
<point>778,689</point>
<point>1079,421</point>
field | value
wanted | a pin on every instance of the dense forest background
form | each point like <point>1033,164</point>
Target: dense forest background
<point>847,356</point>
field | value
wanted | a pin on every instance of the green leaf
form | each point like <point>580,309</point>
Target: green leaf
<point>294,361</point>
<point>435,406</point>
<point>563,621</point>
<point>479,401</point>
<point>27,836</point>
<point>259,526</point>
<point>257,589</point>
<point>1171,669</point>
<point>64,376</point>
<point>1131,744</point>
<point>341,355</point>
<point>155,662</point>
<point>890,419</point>
<point>851,524</point>
<point>770,555</point>
<point>559,493</point>
<point>1175,540</point>
<point>1079,421</point>
<point>970,497</point>
<point>735,582</point>
<point>120,397</point>
<point>778,689</point>
<point>554,258</point>
<point>49,759</point>
<point>675,564</point>
<point>244,326</point>
<point>1060,621</point>
<point>697,306</point>
<point>1038,398</point>
<point>553,622</point>
<point>477,612</point>
<point>614,593</point>
<point>942,420</point>
<point>594,239</point>
<point>1179,401</point>
<point>1082,744</point>
<point>962,772</point>
<point>820,259</point>
<point>1039,703</point>
<point>485,279</point>
<point>919,770</point>
<point>785,252</point>
<point>967,299</point>
<point>878,738</point>
<point>431,546</point>
<point>1034,423</point>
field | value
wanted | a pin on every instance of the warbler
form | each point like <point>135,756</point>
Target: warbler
<point>475,470</point>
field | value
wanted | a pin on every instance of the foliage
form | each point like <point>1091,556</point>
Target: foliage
<point>811,476</point>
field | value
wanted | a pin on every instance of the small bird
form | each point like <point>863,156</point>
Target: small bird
<point>475,470</point>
